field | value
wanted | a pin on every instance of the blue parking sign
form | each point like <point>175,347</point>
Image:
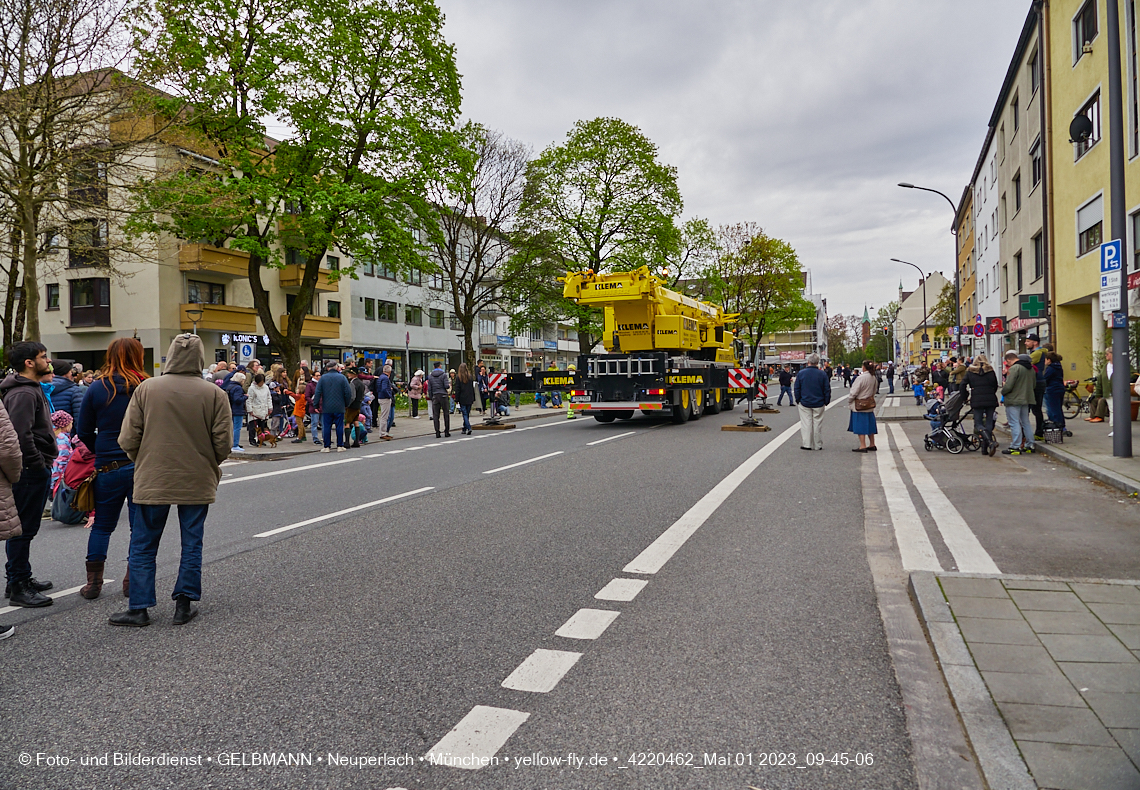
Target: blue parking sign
<point>1110,256</point>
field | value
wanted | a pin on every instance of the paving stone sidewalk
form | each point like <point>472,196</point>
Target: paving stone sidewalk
<point>1059,660</point>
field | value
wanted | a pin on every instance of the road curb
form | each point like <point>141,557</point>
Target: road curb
<point>1095,471</point>
<point>997,754</point>
<point>941,752</point>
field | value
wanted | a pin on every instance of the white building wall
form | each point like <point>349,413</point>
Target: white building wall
<point>987,216</point>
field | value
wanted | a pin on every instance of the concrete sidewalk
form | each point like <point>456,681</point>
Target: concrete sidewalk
<point>900,407</point>
<point>405,427</point>
<point>1045,674</point>
<point>1089,449</point>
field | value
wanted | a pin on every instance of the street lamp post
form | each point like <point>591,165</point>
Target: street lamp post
<point>954,233</point>
<point>925,314</point>
<point>195,316</point>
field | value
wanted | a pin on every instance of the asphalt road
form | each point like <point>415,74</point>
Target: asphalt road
<point>447,621</point>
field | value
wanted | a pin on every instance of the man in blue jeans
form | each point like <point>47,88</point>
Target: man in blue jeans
<point>177,432</point>
<point>786,387</point>
<point>332,396</point>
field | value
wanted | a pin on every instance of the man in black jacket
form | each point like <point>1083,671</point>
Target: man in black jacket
<point>28,408</point>
<point>437,385</point>
<point>786,386</point>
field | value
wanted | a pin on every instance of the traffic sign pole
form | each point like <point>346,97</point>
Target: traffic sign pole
<point>1121,400</point>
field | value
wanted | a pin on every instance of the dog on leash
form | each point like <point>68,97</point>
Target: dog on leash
<point>265,437</point>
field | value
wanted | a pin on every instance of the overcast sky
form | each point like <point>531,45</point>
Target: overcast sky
<point>802,116</point>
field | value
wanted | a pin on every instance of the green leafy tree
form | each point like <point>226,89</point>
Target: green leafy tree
<point>369,91</point>
<point>943,314</point>
<point>601,200</point>
<point>761,279</point>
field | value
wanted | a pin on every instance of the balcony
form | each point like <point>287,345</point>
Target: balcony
<point>543,345</point>
<point>220,318</point>
<point>315,327</point>
<point>216,260</point>
<point>292,274</point>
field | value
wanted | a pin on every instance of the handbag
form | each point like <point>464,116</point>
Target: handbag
<point>865,404</point>
<point>63,509</point>
<point>80,477</point>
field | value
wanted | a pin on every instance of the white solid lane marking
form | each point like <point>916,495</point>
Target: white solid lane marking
<point>541,671</point>
<point>915,548</point>
<point>475,739</point>
<point>659,552</point>
<point>610,438</point>
<point>956,533</point>
<point>290,471</point>
<point>621,590</point>
<point>587,624</point>
<point>53,595</point>
<point>309,521</point>
<point>522,463</point>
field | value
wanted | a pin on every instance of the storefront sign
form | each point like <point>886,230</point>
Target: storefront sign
<point>1134,281</point>
<point>228,338</point>
<point>550,345</point>
<point>995,325</point>
<point>1018,324</point>
<point>791,356</point>
<point>505,340</point>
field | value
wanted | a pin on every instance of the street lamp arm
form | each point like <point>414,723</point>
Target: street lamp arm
<point>953,207</point>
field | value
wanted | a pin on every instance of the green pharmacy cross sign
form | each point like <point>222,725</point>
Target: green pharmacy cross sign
<point>1032,306</point>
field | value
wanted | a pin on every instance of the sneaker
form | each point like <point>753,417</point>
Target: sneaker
<point>1010,451</point>
<point>1068,432</point>
<point>236,449</point>
<point>325,450</point>
<point>7,632</point>
<point>341,449</point>
<point>1039,438</point>
<point>992,449</point>
<point>297,441</point>
<point>1030,450</point>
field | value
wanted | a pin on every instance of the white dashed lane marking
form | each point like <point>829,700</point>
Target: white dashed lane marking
<point>346,511</point>
<point>587,624</point>
<point>610,438</point>
<point>474,740</point>
<point>541,671</point>
<point>522,463</point>
<point>621,590</point>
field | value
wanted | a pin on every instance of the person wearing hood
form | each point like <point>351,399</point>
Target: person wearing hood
<point>1018,391</point>
<point>31,417</point>
<point>415,392</point>
<point>234,388</point>
<point>66,393</point>
<point>981,383</point>
<point>101,421</point>
<point>177,430</point>
<point>257,404</point>
<point>438,386</point>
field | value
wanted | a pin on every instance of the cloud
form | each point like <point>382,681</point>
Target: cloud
<point>801,116</point>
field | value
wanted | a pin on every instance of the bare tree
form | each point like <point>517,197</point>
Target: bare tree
<point>68,118</point>
<point>478,199</point>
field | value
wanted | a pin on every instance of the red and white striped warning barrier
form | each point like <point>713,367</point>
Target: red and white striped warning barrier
<point>497,381</point>
<point>762,390</point>
<point>740,378</point>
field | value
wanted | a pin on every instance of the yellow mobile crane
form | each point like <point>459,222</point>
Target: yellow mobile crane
<point>668,353</point>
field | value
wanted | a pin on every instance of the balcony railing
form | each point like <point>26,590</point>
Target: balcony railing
<point>316,327</point>
<point>193,257</point>
<point>221,318</point>
<point>292,274</point>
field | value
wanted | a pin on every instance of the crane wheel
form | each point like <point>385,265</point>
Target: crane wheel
<point>605,416</point>
<point>681,408</point>
<point>698,407</point>
<point>714,399</point>
<point>624,415</point>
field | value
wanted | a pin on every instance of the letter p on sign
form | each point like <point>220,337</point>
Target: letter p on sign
<point>1110,256</point>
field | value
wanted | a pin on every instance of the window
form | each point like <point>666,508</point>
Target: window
<point>1084,28</point>
<point>454,322</point>
<point>487,325</point>
<point>382,270</point>
<point>1017,192</point>
<point>1090,221</point>
<point>435,280</point>
<point>1035,160</point>
<point>294,206</point>
<point>994,226</point>
<point>369,309</point>
<point>87,184</point>
<point>413,316</point>
<point>294,257</point>
<point>1004,213</point>
<point>1015,114</point>
<point>88,243</point>
<point>1001,141</point>
<point>1136,242</point>
<point>1017,268</point>
<point>1034,72</point>
<point>435,319</point>
<point>1092,112</point>
<point>1038,256</point>
<point>91,302</point>
<point>205,293</point>
<point>334,309</point>
<point>52,296</point>
<point>50,242</point>
<point>386,311</point>
<point>368,267</point>
<point>1005,282</point>
<point>332,262</point>
<point>414,277</point>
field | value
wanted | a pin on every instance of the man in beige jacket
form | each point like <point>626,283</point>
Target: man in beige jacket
<point>177,430</point>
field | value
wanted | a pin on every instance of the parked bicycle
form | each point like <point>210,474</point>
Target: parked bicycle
<point>1074,403</point>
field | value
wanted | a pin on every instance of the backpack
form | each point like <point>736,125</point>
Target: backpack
<point>79,476</point>
<point>63,508</point>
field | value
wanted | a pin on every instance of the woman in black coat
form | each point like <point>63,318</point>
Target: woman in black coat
<point>464,393</point>
<point>982,383</point>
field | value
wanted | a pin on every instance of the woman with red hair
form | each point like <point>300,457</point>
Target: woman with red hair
<point>100,419</point>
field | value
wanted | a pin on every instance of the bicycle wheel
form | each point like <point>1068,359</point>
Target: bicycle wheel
<point>973,442</point>
<point>1071,406</point>
<point>954,444</point>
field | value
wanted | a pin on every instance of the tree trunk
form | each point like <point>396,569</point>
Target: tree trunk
<point>9,317</point>
<point>468,343</point>
<point>30,304</point>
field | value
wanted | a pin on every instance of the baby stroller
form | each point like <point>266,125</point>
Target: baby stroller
<point>945,418</point>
